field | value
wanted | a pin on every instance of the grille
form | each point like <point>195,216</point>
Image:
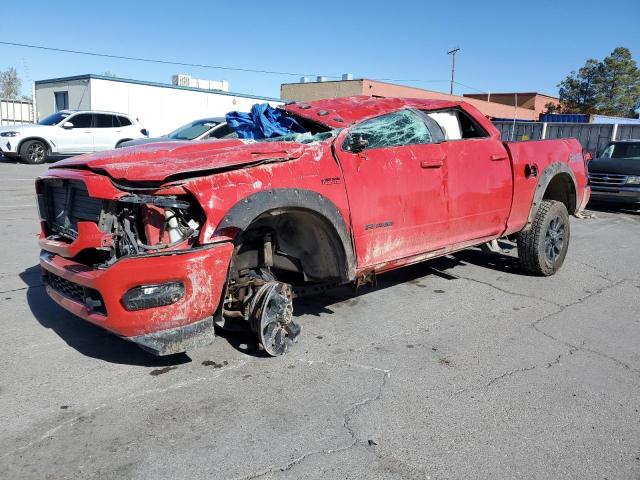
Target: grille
<point>87,296</point>
<point>63,203</point>
<point>612,179</point>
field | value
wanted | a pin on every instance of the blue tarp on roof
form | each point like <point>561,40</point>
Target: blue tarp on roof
<point>263,121</point>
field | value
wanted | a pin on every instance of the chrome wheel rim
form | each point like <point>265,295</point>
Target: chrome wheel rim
<point>554,239</point>
<point>36,152</point>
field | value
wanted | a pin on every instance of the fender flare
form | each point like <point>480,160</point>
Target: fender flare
<point>547,175</point>
<point>244,212</point>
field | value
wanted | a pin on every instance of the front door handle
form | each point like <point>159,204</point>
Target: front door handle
<point>431,163</point>
<point>496,157</point>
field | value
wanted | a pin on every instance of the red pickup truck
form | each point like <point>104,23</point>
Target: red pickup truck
<point>158,243</point>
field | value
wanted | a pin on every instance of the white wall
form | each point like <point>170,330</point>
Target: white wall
<point>162,109</point>
<point>79,96</point>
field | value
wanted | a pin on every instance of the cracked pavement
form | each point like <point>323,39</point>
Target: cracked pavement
<point>462,367</point>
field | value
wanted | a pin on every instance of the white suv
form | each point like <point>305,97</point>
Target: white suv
<point>68,132</point>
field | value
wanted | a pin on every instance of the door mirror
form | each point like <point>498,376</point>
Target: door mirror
<point>67,125</point>
<point>357,143</point>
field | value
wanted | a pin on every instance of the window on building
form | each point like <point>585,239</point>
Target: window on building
<point>62,100</point>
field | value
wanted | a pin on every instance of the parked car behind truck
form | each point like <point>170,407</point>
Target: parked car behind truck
<point>615,174</point>
<point>203,129</point>
<point>68,132</point>
<point>158,244</point>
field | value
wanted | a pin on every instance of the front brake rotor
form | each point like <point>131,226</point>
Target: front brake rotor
<point>272,318</point>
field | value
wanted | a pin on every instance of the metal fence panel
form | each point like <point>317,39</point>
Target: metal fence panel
<point>13,112</point>
<point>519,131</point>
<point>628,132</point>
<point>593,137</point>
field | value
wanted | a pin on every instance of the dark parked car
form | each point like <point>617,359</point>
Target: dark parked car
<point>615,175</point>
<point>203,129</point>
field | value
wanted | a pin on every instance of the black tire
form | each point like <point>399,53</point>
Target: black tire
<point>118,145</point>
<point>34,152</point>
<point>542,248</point>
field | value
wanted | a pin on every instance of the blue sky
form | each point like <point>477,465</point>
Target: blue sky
<point>506,45</point>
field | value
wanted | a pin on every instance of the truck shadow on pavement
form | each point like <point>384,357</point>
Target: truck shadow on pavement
<point>96,342</point>
<point>84,337</point>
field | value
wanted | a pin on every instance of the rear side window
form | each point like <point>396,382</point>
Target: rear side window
<point>457,125</point>
<point>124,121</point>
<point>105,121</point>
<point>82,120</point>
<point>395,129</point>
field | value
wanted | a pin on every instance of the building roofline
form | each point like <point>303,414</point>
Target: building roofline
<point>511,93</point>
<point>91,76</point>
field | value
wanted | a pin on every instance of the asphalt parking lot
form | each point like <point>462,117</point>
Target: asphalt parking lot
<point>459,368</point>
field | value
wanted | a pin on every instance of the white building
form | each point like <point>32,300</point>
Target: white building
<point>160,107</point>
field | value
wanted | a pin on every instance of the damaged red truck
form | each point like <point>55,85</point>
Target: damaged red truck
<point>158,243</point>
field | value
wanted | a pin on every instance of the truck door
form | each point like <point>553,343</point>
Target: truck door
<point>479,178</point>
<point>395,176</point>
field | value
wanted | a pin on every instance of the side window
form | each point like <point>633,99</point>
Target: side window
<point>470,128</point>
<point>82,120</point>
<point>223,131</point>
<point>403,127</point>
<point>449,124</point>
<point>457,125</point>
<point>124,121</point>
<point>104,121</point>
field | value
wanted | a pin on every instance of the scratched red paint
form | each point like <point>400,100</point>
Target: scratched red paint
<point>400,205</point>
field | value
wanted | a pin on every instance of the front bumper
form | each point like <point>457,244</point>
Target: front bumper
<point>8,146</point>
<point>96,294</point>
<point>621,194</point>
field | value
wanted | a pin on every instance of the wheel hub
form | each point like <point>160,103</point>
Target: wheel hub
<point>554,239</point>
<point>272,318</point>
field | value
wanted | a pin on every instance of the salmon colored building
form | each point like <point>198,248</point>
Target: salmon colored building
<point>529,106</point>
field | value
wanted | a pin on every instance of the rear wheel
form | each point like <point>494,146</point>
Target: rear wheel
<point>543,247</point>
<point>33,152</point>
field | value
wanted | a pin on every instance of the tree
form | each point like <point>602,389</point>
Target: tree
<point>608,87</point>
<point>578,92</point>
<point>552,108</point>
<point>618,85</point>
<point>10,83</point>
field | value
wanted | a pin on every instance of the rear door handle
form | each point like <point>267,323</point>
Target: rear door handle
<point>431,163</point>
<point>496,157</point>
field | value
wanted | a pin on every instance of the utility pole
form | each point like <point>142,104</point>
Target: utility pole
<point>453,65</point>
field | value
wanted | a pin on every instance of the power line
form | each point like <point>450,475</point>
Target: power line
<point>215,67</point>
<point>186,64</point>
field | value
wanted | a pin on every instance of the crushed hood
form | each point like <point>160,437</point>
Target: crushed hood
<point>159,162</point>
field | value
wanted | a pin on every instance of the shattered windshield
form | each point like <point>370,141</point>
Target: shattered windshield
<point>398,128</point>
